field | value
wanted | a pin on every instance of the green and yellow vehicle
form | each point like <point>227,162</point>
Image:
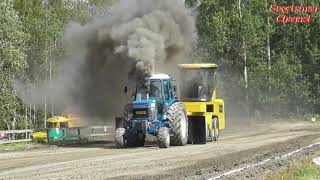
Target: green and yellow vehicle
<point>57,126</point>
<point>56,129</point>
<point>204,110</point>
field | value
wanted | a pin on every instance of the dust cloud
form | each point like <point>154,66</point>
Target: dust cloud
<point>120,49</point>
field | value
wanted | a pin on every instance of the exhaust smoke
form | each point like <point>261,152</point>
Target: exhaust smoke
<point>116,50</point>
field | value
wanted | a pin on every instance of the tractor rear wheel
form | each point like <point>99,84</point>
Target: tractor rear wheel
<point>119,138</point>
<point>178,121</point>
<point>163,137</point>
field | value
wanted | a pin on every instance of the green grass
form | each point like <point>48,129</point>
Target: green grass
<point>305,170</point>
<point>18,146</point>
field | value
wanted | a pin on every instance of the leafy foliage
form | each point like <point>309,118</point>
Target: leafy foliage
<point>291,85</point>
<point>12,62</point>
<point>31,40</point>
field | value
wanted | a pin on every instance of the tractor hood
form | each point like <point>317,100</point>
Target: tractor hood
<point>144,109</point>
<point>143,104</point>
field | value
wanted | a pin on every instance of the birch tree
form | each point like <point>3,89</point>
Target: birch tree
<point>12,62</point>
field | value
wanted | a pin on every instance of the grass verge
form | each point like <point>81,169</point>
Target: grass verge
<point>19,146</point>
<point>305,170</point>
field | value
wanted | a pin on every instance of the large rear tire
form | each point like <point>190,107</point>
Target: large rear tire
<point>163,137</point>
<point>119,138</point>
<point>178,121</point>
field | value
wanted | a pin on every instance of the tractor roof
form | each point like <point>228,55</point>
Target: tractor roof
<point>160,76</point>
<point>57,119</point>
<point>198,66</point>
<point>60,119</point>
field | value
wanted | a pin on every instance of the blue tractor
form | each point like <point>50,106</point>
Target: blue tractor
<point>156,112</point>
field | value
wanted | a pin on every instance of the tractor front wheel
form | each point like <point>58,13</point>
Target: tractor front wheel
<point>163,137</point>
<point>119,138</point>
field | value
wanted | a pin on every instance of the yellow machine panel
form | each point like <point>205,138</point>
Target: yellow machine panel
<point>195,107</point>
<point>39,136</point>
<point>64,121</point>
<point>198,66</point>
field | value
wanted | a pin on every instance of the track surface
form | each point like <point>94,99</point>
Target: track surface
<point>103,161</point>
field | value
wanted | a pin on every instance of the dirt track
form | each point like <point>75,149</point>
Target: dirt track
<point>103,161</point>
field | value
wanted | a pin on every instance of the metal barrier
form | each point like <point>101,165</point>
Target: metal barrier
<point>16,136</point>
<point>84,133</point>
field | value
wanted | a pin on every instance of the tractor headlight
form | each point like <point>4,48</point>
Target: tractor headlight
<point>153,105</point>
<point>164,116</point>
<point>153,112</point>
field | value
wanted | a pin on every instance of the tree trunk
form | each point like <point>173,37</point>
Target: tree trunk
<point>245,70</point>
<point>26,119</point>
<point>50,82</point>
<point>269,63</point>
<point>46,64</point>
<point>30,116</point>
<point>34,106</point>
<point>45,111</point>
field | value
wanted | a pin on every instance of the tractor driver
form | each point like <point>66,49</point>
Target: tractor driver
<point>155,89</point>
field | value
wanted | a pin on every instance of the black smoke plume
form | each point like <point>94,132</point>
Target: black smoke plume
<point>116,50</point>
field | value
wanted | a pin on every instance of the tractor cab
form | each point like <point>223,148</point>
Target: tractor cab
<point>197,82</point>
<point>161,89</point>
<point>149,108</point>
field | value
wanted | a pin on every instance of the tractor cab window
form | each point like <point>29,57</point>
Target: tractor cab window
<point>63,124</point>
<point>172,90</point>
<point>155,89</point>
<point>52,125</point>
<point>197,84</point>
<point>166,90</point>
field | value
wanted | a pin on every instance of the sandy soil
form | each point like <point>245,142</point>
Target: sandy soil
<point>236,148</point>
